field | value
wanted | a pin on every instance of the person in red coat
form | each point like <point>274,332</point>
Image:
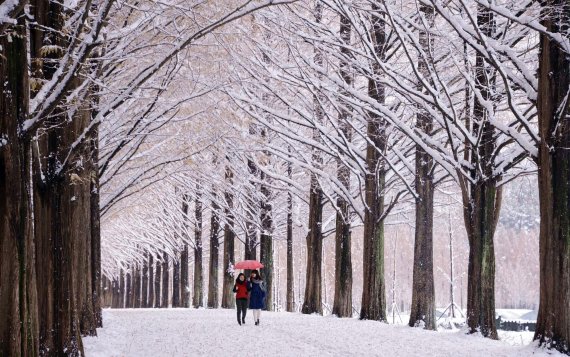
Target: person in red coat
<point>242,288</point>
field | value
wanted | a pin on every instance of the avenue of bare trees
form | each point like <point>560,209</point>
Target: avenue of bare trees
<point>145,147</point>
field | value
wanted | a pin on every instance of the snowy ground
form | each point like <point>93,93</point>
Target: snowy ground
<point>189,332</point>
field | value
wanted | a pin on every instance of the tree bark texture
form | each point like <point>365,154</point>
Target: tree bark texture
<point>213,300</point>
<point>423,290</point>
<point>313,286</point>
<point>165,280</point>
<point>373,306</point>
<point>482,200</point>
<point>553,324</point>
<point>19,328</point>
<point>228,301</point>
<point>198,288</point>
<point>342,304</point>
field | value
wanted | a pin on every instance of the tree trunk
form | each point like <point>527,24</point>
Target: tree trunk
<point>482,200</point>
<point>122,289</point>
<point>198,298</point>
<point>423,291</point>
<point>553,324</point>
<point>129,290</point>
<point>151,283</point>
<point>137,287</point>
<point>373,292</point>
<point>157,278</point>
<point>184,277</point>
<point>95,230</point>
<point>214,255</point>
<point>228,301</point>
<point>165,280</point>
<point>18,296</point>
<point>176,282</point>
<point>115,303</point>
<point>266,241</point>
<point>342,305</point>
<point>290,271</point>
<point>250,230</point>
<point>184,288</point>
<point>313,289</point>
<point>144,287</point>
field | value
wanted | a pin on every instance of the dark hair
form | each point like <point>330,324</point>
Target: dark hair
<point>257,275</point>
<point>239,281</point>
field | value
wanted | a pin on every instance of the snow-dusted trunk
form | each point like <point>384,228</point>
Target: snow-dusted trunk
<point>290,272</point>
<point>342,305</point>
<point>158,275</point>
<point>95,228</point>
<point>144,283</point>
<point>266,241</point>
<point>373,305</point>
<point>184,258</point>
<point>423,291</point>
<point>482,199</point>
<point>137,287</point>
<point>150,297</point>
<point>228,301</point>
<point>129,289</point>
<point>115,285</point>
<point>165,280</point>
<point>18,299</point>
<point>250,230</point>
<point>214,255</point>
<point>553,324</point>
<point>121,289</point>
<point>184,278</point>
<point>198,288</point>
<point>313,281</point>
<point>176,280</point>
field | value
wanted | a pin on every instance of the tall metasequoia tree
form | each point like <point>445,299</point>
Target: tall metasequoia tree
<point>250,230</point>
<point>18,299</point>
<point>121,289</point>
<point>266,236</point>
<point>313,285</point>
<point>176,280</point>
<point>144,284</point>
<point>198,298</point>
<point>423,290</point>
<point>165,280</point>
<point>229,241</point>
<point>137,287</point>
<point>151,284</point>
<point>482,197</point>
<point>214,254</point>
<point>184,277</point>
<point>342,305</point>
<point>158,276</point>
<point>129,289</point>
<point>290,273</point>
<point>373,293</point>
<point>553,323</point>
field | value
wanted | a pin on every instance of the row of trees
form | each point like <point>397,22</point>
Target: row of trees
<point>367,106</point>
<point>65,80</point>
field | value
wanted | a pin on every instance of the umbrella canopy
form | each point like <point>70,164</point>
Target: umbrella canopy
<point>248,264</point>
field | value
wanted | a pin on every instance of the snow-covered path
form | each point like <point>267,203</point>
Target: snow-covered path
<point>190,332</point>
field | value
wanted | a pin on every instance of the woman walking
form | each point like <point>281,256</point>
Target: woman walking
<point>241,288</point>
<point>257,296</point>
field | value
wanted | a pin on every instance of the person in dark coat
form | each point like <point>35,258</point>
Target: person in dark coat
<point>241,288</point>
<point>257,295</point>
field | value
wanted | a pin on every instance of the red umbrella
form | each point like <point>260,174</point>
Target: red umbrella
<point>248,264</point>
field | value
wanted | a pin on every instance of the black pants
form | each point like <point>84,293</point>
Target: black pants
<point>241,309</point>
